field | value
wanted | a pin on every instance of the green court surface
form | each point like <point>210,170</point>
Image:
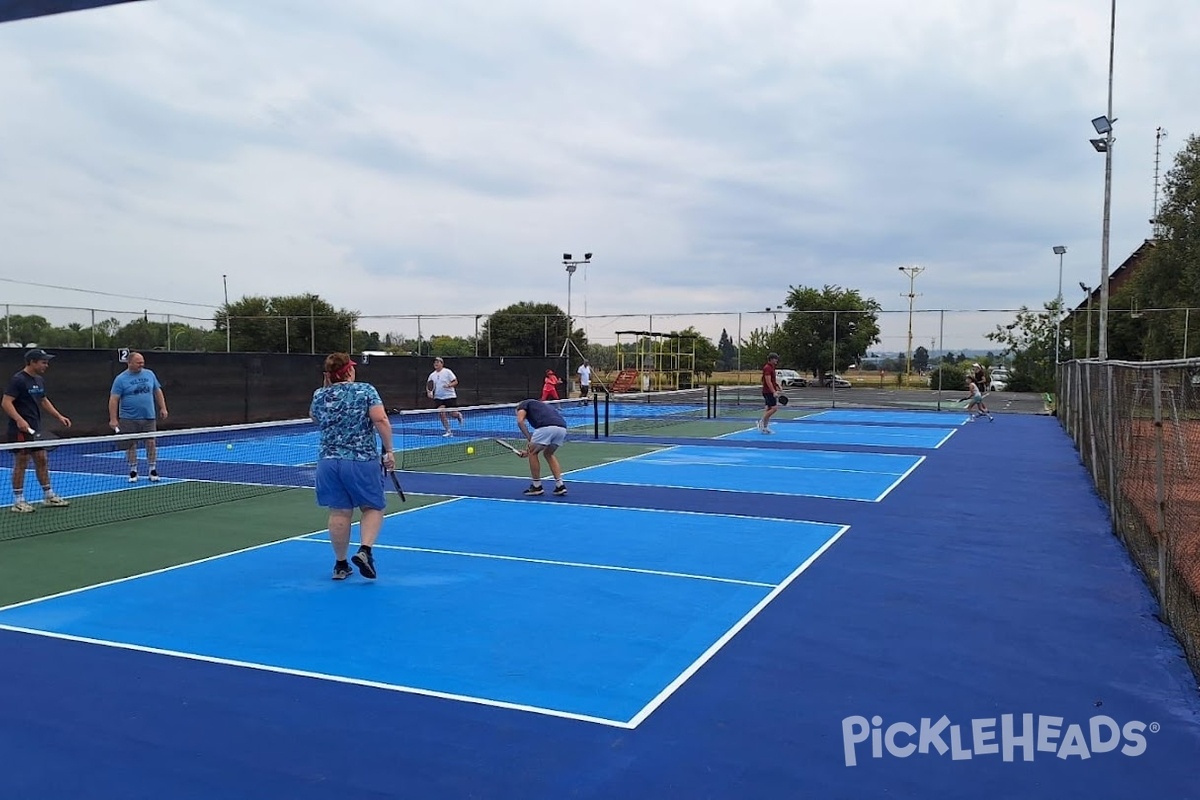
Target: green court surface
<point>573,455</point>
<point>58,562</point>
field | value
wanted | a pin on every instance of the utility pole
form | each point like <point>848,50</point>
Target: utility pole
<point>912,273</point>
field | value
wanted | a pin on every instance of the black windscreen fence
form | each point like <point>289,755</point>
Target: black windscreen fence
<point>205,389</point>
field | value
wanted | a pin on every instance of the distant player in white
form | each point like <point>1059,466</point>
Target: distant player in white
<point>441,389</point>
<point>585,381</point>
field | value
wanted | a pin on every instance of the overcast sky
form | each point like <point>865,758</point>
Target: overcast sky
<point>403,158</point>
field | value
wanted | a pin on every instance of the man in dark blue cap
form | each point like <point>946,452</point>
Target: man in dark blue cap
<point>23,403</point>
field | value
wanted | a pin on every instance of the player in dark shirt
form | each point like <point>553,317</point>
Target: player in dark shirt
<point>23,403</point>
<point>548,434</point>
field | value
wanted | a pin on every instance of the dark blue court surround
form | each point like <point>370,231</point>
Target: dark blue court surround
<point>977,588</point>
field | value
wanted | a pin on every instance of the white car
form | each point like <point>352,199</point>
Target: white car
<point>789,377</point>
<point>836,381</point>
<point>999,380</point>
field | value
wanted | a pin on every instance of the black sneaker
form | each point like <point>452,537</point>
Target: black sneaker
<point>341,571</point>
<point>153,474</point>
<point>365,563</point>
<point>560,490</point>
<point>534,490</point>
<point>133,476</point>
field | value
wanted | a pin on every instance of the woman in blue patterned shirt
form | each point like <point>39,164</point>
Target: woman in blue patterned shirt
<point>348,477</point>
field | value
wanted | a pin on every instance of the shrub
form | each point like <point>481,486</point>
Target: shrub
<point>952,377</point>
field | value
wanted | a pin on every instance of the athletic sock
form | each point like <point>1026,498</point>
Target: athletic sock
<point>364,548</point>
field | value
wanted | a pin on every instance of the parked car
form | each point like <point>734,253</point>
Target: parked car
<point>835,381</point>
<point>789,377</point>
<point>999,379</point>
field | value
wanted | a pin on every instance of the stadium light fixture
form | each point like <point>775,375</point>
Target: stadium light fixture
<point>572,265</point>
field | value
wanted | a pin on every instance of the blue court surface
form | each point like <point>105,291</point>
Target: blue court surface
<point>937,419</point>
<point>977,634</point>
<point>638,600</point>
<point>71,484</point>
<point>811,473</point>
<point>800,430</point>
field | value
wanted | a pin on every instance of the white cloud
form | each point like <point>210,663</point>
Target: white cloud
<point>411,158</point>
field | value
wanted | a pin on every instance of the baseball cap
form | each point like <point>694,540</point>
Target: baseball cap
<point>772,355</point>
<point>37,354</point>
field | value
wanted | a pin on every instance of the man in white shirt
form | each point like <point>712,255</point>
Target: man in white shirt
<point>585,381</point>
<point>440,387</point>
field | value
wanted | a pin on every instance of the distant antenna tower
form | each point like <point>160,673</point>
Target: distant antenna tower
<point>1156,228</point>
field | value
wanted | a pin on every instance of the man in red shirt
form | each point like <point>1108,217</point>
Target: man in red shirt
<point>770,390</point>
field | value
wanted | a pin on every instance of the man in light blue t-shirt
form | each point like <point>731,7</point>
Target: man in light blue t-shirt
<point>135,403</point>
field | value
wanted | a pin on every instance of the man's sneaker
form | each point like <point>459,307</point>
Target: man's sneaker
<point>153,474</point>
<point>758,426</point>
<point>534,490</point>
<point>55,500</point>
<point>22,507</point>
<point>560,490</point>
<point>767,430</point>
<point>447,433</point>
<point>341,571</point>
<point>133,476</point>
<point>365,563</point>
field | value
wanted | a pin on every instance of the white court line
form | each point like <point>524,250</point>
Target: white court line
<point>730,491</point>
<point>684,676</point>
<point>321,676</point>
<point>555,563</point>
<point>193,563</point>
<point>628,724</point>
<point>899,480</point>
<point>749,464</point>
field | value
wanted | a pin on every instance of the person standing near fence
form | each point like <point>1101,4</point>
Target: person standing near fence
<point>441,387</point>
<point>585,381</point>
<point>550,386</point>
<point>135,404</point>
<point>23,403</point>
<point>350,415</point>
<point>770,392</point>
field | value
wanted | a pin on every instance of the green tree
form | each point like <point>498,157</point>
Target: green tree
<point>451,346</point>
<point>728,356</point>
<point>1170,275</point>
<point>1029,340</point>
<point>297,324</point>
<point>529,329</point>
<point>25,329</point>
<point>755,348</point>
<point>920,359</point>
<point>808,334</point>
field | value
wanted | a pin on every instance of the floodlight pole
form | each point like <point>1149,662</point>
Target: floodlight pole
<point>571,264</point>
<point>1059,251</point>
<point>912,273</point>
<point>1108,149</point>
<point>1087,353</point>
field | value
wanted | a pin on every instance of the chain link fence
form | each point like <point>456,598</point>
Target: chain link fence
<point>1137,427</point>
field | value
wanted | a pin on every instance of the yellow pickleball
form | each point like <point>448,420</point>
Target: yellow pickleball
<point>228,447</point>
<point>470,451</point>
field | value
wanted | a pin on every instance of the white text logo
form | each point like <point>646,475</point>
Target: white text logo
<point>1027,734</point>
